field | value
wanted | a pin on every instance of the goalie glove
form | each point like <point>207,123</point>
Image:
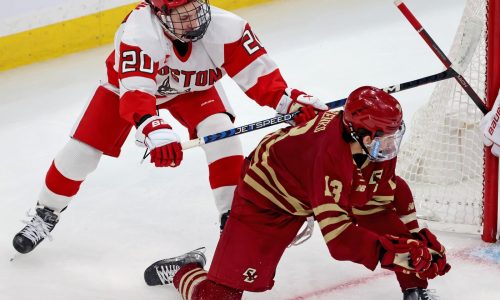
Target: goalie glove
<point>439,265</point>
<point>403,255</point>
<point>491,129</point>
<point>294,100</point>
<point>162,142</point>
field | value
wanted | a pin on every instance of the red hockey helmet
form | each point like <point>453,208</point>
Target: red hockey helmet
<point>373,112</point>
<point>166,5</point>
<point>187,23</point>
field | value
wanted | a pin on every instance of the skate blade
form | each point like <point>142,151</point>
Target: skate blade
<point>15,256</point>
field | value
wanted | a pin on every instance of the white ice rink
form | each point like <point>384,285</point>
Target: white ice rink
<point>128,215</point>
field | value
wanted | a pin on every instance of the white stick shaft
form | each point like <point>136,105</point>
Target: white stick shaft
<point>192,143</point>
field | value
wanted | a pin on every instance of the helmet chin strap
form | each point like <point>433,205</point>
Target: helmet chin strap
<point>360,142</point>
<point>363,146</point>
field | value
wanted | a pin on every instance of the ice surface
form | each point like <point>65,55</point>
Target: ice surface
<point>128,215</point>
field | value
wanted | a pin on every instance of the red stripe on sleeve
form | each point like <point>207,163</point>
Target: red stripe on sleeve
<point>240,54</point>
<point>135,104</point>
<point>269,89</point>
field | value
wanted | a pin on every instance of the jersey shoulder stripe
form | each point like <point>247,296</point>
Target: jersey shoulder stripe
<point>143,30</point>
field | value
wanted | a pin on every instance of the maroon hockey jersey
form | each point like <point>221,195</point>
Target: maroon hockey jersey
<point>309,170</point>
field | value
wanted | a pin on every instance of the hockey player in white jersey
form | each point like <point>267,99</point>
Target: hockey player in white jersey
<point>169,54</point>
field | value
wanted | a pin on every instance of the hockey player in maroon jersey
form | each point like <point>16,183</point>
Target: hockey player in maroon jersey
<point>169,54</point>
<point>337,167</point>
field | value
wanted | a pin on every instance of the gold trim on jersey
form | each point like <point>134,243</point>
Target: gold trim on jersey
<point>409,217</point>
<point>273,182</point>
<point>380,200</point>
<point>188,278</point>
<point>264,192</point>
<point>333,220</point>
<point>372,211</point>
<point>335,233</point>
<point>193,285</point>
<point>329,207</point>
<point>325,120</point>
<point>392,184</point>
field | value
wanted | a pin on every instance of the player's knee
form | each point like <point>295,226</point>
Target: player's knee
<point>223,148</point>
<point>76,160</point>
<point>213,124</point>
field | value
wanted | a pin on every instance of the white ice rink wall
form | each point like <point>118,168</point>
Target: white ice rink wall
<point>32,31</point>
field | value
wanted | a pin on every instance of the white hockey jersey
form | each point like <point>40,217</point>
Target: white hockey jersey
<point>148,70</point>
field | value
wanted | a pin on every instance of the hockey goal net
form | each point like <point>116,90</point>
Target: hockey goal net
<point>454,181</point>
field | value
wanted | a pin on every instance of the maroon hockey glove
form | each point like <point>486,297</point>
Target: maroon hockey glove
<point>403,255</point>
<point>294,100</point>
<point>161,140</point>
<point>439,265</point>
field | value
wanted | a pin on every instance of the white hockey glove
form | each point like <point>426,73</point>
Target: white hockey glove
<point>162,142</point>
<point>490,128</point>
<point>294,100</point>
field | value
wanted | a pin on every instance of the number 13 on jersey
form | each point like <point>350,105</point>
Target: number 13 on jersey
<point>333,188</point>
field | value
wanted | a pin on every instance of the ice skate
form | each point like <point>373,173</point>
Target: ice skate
<point>36,230</point>
<point>163,271</point>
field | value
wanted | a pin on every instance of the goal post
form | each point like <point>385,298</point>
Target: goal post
<point>492,86</point>
<point>454,179</point>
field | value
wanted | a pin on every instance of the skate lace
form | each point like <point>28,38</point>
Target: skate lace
<point>166,273</point>
<point>36,228</point>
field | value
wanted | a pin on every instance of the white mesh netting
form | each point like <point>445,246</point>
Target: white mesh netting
<point>442,156</point>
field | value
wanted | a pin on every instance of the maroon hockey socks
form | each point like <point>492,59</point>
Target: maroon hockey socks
<point>192,283</point>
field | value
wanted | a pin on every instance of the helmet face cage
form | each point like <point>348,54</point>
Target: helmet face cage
<point>386,147</point>
<point>370,111</point>
<point>188,22</point>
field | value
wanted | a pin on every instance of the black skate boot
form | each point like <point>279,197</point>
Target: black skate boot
<point>419,294</point>
<point>36,230</point>
<point>163,271</point>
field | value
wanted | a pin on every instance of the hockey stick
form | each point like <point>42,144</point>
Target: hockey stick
<point>448,73</point>
<point>440,54</point>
